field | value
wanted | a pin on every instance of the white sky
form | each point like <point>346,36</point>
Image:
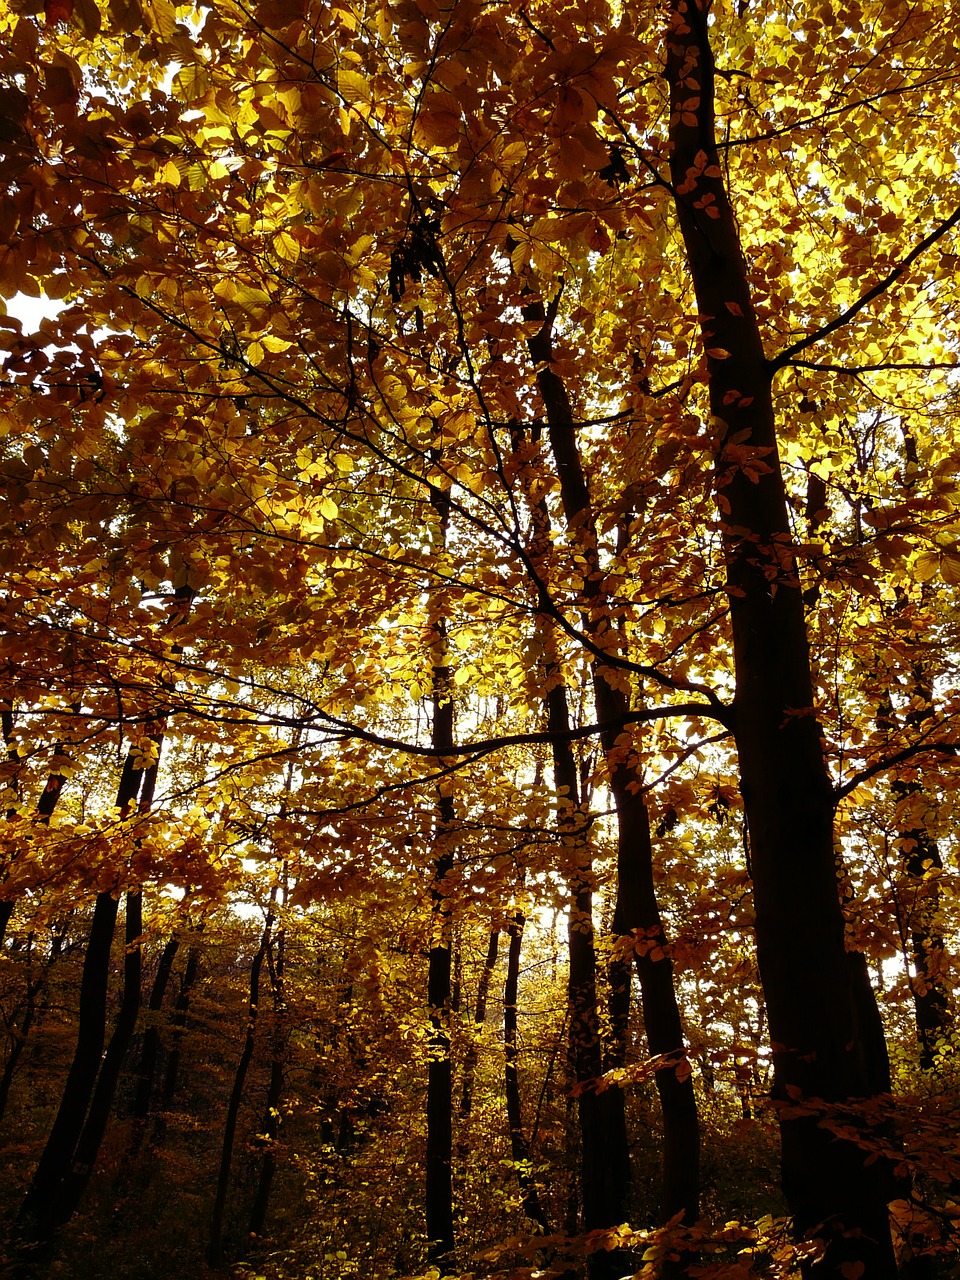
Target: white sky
<point>30,311</point>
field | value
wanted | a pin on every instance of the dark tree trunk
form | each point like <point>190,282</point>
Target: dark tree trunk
<point>439,1156</point>
<point>21,1032</point>
<point>218,1217</point>
<point>45,806</point>
<point>918,894</point>
<point>278,1056</point>
<point>636,920</point>
<point>69,1193</point>
<point>439,1176</point>
<point>519,1147</point>
<point>824,1025</point>
<point>33,1220</point>
<point>932,1005</point>
<point>150,1048</point>
<point>181,1007</point>
<point>602,1192</point>
<point>479,1017</point>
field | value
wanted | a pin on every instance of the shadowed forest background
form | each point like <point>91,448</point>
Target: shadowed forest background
<point>479,665</point>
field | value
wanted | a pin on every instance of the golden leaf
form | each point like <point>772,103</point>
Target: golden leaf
<point>353,86</point>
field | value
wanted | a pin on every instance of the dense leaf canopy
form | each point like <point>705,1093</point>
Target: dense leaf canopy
<point>383,485</point>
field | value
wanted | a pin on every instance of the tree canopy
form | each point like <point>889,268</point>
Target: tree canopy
<point>480,564</point>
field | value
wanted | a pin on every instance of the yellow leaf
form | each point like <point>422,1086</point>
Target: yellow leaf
<point>343,463</point>
<point>950,566</point>
<point>169,174</point>
<point>286,247</point>
<point>353,86</point>
<point>191,83</point>
<point>255,353</point>
<point>925,566</point>
<point>163,17</point>
<point>329,509</point>
<point>718,353</point>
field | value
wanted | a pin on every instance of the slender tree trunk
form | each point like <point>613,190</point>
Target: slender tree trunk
<point>637,921</point>
<point>20,1033</point>
<point>603,1198</point>
<point>150,1048</point>
<point>479,1018</point>
<point>45,805</point>
<point>439,1158</point>
<point>825,1030</point>
<point>519,1147</point>
<point>70,1191</point>
<point>932,1004</point>
<point>604,1149</point>
<point>918,894</point>
<point>33,1221</point>
<point>181,1007</point>
<point>215,1245</point>
<point>279,1039</point>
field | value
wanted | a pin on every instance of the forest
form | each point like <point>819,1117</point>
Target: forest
<point>479,665</point>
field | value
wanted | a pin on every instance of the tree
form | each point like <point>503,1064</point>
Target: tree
<point>320,294</point>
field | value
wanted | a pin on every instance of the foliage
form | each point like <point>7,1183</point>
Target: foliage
<point>296,261</point>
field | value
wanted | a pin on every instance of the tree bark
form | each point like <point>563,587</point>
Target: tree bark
<point>181,1006</point>
<point>826,1037</point>
<point>519,1147</point>
<point>479,1018</point>
<point>602,1186</point>
<point>45,807</point>
<point>918,909</point>
<point>21,1033</point>
<point>637,921</point>
<point>69,1193</point>
<point>215,1244</point>
<point>33,1221</point>
<point>279,1038</point>
<point>439,1155</point>
<point>150,1048</point>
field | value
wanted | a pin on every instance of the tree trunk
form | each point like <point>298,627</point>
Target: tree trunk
<point>150,1048</point>
<point>823,1019</point>
<point>931,996</point>
<point>215,1245</point>
<point>439,1156</point>
<point>45,805</point>
<point>479,1018</point>
<point>278,1056</point>
<point>33,1221</point>
<point>70,1191</point>
<point>918,895</point>
<point>181,1006</point>
<point>602,1189</point>
<point>636,922</point>
<point>20,1033</point>
<point>519,1147</point>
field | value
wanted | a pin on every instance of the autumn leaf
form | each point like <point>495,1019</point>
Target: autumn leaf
<point>56,11</point>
